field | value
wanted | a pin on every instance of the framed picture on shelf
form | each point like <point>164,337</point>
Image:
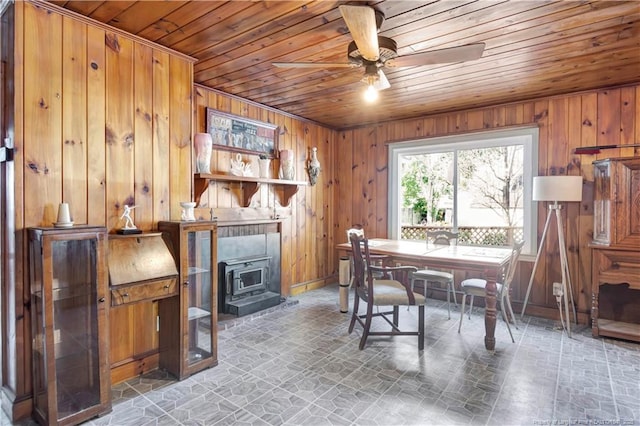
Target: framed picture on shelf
<point>241,134</point>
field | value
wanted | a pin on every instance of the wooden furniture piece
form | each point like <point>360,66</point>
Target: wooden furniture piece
<point>436,276</point>
<point>476,287</point>
<point>615,307</point>
<point>390,288</point>
<point>250,185</point>
<point>484,261</point>
<point>69,300</point>
<point>142,273</point>
<point>189,323</point>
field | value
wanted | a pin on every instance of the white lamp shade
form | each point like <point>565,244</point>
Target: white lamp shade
<point>557,188</point>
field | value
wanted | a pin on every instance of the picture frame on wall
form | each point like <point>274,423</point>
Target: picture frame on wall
<point>234,133</point>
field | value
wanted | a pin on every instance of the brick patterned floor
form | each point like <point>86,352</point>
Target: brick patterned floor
<point>296,365</point>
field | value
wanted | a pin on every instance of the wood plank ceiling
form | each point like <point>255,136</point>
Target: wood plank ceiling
<point>533,49</point>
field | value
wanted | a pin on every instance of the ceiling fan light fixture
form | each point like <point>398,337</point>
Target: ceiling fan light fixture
<point>371,94</point>
<point>370,78</point>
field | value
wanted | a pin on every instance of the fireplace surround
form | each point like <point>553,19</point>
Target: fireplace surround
<point>248,268</point>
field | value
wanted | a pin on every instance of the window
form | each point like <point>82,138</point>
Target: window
<point>477,184</point>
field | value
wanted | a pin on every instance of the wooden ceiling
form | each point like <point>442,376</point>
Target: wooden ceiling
<point>533,49</point>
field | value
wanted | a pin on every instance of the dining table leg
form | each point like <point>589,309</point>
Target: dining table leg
<point>490,310</point>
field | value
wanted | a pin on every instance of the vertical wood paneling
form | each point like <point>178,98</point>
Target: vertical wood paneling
<point>609,123</point>
<point>180,134</point>
<point>143,135</point>
<point>119,128</point>
<point>74,119</point>
<point>576,246</point>
<point>161,135</point>
<point>540,115</point>
<point>627,119</point>
<point>380,182</point>
<point>344,185</point>
<point>43,112</point>
<point>96,142</point>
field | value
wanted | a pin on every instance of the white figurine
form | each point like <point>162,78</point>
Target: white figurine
<point>126,215</point>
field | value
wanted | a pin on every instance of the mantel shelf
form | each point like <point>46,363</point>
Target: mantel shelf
<point>250,186</point>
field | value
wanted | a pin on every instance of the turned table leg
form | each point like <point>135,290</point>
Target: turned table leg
<point>490,310</point>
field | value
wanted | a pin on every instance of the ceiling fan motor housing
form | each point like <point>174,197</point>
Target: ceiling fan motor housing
<point>387,48</point>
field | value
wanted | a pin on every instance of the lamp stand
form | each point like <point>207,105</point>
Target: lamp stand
<point>564,265</point>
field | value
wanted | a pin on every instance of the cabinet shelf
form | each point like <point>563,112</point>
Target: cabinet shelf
<point>194,270</point>
<point>196,313</point>
<point>250,185</point>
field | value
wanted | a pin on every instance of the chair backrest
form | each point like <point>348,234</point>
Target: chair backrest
<point>361,258</point>
<point>442,237</point>
<point>358,231</point>
<point>513,265</point>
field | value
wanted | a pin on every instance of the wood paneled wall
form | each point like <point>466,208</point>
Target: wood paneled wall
<point>600,117</point>
<point>308,255</point>
<point>102,119</point>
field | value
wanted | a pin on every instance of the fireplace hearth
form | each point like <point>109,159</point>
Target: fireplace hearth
<point>249,269</point>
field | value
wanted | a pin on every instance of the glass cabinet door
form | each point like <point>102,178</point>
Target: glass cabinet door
<point>200,278</point>
<point>75,325</point>
<point>70,365</point>
<point>189,325</point>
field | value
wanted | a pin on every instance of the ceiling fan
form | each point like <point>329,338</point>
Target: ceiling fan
<point>374,52</point>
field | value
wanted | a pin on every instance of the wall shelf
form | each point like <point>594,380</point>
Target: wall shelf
<point>250,185</point>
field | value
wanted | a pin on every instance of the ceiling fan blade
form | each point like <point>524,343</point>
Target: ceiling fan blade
<point>314,65</point>
<point>382,82</point>
<point>361,21</point>
<point>468,52</point>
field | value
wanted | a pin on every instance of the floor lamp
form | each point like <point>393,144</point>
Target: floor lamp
<point>555,189</point>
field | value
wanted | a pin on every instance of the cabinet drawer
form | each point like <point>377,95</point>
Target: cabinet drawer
<point>616,267</point>
<point>145,291</point>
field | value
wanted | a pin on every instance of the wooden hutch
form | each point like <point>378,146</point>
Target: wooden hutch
<point>615,310</point>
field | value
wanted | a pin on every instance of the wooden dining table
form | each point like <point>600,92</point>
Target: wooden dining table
<point>481,261</point>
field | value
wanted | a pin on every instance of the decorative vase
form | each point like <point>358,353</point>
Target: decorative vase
<point>313,168</point>
<point>203,145</point>
<point>287,170</point>
<point>263,166</point>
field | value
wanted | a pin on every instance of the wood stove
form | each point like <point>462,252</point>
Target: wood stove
<point>249,272</point>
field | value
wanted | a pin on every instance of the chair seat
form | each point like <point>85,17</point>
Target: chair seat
<point>392,293</point>
<point>476,286</point>
<point>433,275</point>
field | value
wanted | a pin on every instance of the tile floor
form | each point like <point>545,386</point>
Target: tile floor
<point>298,366</point>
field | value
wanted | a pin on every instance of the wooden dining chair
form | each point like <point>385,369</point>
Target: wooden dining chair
<point>436,276</point>
<point>477,287</point>
<point>391,289</point>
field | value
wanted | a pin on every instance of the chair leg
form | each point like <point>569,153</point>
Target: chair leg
<point>367,326</point>
<point>506,320</point>
<point>449,301</point>
<point>421,327</point>
<point>452,288</point>
<point>354,315</point>
<point>471,306</point>
<point>395,315</point>
<point>413,281</point>
<point>508,300</point>
<point>464,299</point>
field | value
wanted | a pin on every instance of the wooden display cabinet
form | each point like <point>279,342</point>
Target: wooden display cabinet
<point>68,282</point>
<point>189,323</point>
<point>615,308</point>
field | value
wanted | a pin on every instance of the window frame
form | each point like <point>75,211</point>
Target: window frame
<point>528,137</point>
